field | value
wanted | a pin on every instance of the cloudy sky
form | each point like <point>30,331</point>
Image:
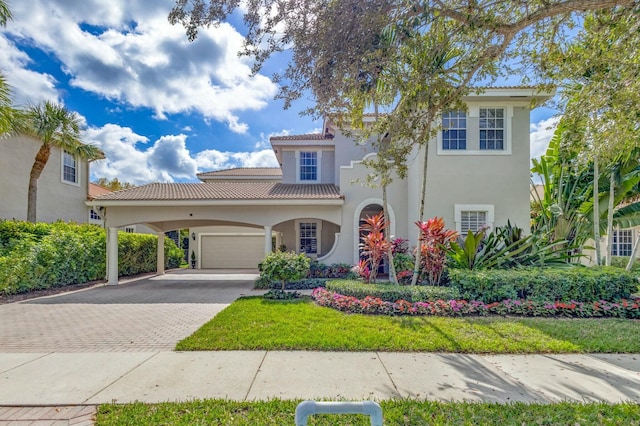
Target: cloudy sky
<point>160,107</point>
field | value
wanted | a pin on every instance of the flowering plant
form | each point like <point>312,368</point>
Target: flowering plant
<point>375,306</point>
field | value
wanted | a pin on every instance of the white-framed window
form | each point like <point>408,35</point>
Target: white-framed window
<point>308,236</point>
<point>492,129</point>
<point>473,217</point>
<point>482,130</point>
<point>93,215</point>
<point>130,229</point>
<point>69,168</point>
<point>454,130</point>
<point>308,166</point>
<point>622,242</point>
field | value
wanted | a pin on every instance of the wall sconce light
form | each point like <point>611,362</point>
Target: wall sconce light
<point>193,236</point>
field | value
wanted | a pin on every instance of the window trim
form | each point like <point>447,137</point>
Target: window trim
<point>474,113</point>
<point>77,168</point>
<point>318,165</point>
<point>318,224</point>
<point>459,208</point>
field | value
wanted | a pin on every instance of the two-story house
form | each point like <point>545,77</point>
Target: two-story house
<point>478,175</point>
<point>62,187</point>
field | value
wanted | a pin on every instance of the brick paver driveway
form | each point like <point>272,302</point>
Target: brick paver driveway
<point>146,315</point>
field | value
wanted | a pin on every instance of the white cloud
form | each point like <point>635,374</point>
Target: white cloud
<point>130,158</point>
<point>27,87</point>
<point>540,135</point>
<point>129,53</point>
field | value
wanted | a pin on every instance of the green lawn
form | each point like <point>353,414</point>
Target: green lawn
<point>396,412</point>
<point>254,323</point>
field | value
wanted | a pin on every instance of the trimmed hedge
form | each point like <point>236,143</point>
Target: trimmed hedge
<point>36,256</point>
<point>561,284</point>
<point>263,283</point>
<point>391,292</point>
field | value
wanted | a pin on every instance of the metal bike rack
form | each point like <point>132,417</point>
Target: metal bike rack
<point>308,408</point>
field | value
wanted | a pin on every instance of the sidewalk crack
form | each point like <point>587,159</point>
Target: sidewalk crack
<point>255,375</point>
<point>393,383</point>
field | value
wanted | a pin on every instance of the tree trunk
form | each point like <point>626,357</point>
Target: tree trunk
<point>634,252</point>
<point>392,267</point>
<point>612,187</point>
<point>596,211</point>
<point>416,265</point>
<point>42,157</point>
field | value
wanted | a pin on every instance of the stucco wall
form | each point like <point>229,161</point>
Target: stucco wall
<point>56,199</point>
<point>346,151</point>
<point>290,163</point>
<point>498,180</point>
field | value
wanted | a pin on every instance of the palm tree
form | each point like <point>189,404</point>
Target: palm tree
<point>6,112</point>
<point>55,126</point>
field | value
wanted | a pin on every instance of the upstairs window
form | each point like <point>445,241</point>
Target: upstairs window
<point>454,130</point>
<point>492,129</point>
<point>69,168</point>
<point>622,244</point>
<point>308,166</point>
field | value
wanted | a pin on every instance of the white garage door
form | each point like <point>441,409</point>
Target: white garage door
<point>232,251</point>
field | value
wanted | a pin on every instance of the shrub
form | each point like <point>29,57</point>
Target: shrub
<point>40,256</point>
<point>285,266</point>
<point>621,262</point>
<point>265,283</point>
<point>391,292</point>
<point>583,284</point>
<point>335,270</point>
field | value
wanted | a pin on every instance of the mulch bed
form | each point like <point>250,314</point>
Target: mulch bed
<point>11,298</point>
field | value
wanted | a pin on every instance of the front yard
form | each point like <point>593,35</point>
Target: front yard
<point>254,323</point>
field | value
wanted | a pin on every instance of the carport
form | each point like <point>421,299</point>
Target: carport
<point>256,205</point>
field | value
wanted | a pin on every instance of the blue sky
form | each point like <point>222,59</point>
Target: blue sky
<point>161,108</point>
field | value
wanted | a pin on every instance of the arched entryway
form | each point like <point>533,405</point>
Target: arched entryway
<point>368,208</point>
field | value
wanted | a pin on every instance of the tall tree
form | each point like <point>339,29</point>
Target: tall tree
<point>442,51</point>
<point>54,126</point>
<point>6,111</point>
<point>600,75</point>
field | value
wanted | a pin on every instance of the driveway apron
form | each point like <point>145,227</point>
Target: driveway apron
<point>146,315</point>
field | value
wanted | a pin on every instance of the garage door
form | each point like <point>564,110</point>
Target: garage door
<point>232,251</point>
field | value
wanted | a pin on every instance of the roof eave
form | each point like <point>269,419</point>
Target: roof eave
<point>188,203</point>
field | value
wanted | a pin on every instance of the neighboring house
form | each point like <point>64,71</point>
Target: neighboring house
<point>62,187</point>
<point>478,175</point>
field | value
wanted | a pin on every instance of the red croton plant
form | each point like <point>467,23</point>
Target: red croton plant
<point>435,241</point>
<point>373,244</point>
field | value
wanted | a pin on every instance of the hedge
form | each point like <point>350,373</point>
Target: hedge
<point>565,284</point>
<point>263,283</point>
<point>391,292</point>
<point>40,256</point>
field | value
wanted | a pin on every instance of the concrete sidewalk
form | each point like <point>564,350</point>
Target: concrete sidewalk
<point>29,379</point>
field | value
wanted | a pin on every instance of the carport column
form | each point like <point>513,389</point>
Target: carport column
<point>267,239</point>
<point>112,257</point>
<point>160,269</point>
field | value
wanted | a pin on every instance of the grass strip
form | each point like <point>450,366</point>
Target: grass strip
<point>254,323</point>
<point>395,412</point>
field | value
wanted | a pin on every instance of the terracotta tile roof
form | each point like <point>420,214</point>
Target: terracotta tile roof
<point>244,171</point>
<point>304,137</point>
<point>97,190</point>
<point>225,191</point>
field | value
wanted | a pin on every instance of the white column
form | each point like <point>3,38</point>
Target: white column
<point>267,239</point>
<point>160,267</point>
<point>112,256</point>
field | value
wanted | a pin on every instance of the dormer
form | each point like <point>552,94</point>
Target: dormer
<point>307,158</point>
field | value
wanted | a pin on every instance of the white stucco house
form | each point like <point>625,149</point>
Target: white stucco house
<point>62,187</point>
<point>478,174</point>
